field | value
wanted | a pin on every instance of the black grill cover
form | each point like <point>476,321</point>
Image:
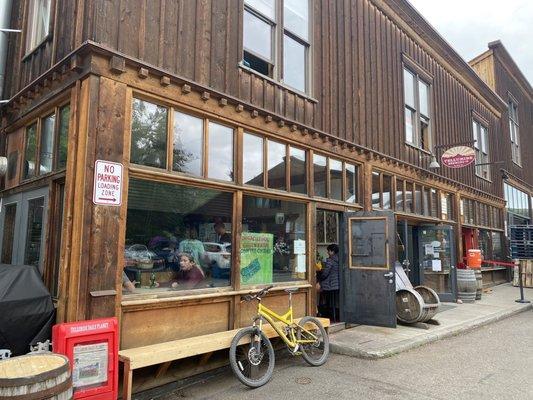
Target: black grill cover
<point>26,309</point>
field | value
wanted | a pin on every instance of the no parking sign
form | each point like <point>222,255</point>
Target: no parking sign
<point>107,183</point>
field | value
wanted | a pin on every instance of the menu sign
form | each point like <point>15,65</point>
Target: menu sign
<point>256,258</point>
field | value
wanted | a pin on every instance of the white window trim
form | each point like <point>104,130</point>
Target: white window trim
<point>278,37</point>
<point>32,42</point>
<point>419,117</point>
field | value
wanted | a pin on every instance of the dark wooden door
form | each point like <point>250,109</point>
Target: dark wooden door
<point>367,276</point>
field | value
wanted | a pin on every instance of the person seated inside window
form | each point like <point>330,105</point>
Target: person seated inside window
<point>190,274</point>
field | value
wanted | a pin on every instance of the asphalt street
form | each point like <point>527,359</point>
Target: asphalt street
<point>493,362</point>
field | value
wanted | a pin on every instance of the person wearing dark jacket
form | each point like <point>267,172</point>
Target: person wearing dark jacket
<point>329,283</point>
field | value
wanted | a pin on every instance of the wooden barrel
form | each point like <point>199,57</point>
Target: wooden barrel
<point>466,285</point>
<point>409,305</point>
<point>431,302</point>
<point>35,376</point>
<point>479,283</point>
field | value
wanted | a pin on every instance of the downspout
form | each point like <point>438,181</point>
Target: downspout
<point>5,20</point>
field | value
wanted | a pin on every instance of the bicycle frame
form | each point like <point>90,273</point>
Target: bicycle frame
<point>286,320</point>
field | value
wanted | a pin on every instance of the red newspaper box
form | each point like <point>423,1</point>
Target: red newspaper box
<point>92,348</point>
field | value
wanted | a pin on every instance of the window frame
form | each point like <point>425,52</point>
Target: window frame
<point>279,31</point>
<point>38,122</point>
<point>419,77</point>
<point>31,44</point>
<point>514,130</point>
<point>480,134</point>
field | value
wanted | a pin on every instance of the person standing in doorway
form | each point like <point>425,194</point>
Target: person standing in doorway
<point>329,279</point>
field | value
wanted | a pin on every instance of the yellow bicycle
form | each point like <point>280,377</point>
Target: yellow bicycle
<point>251,353</point>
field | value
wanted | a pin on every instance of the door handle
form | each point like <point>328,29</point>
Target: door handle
<point>388,275</point>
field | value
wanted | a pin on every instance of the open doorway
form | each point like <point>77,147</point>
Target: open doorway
<point>328,261</point>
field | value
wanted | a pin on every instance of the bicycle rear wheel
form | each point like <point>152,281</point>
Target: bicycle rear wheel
<point>251,357</point>
<point>315,353</point>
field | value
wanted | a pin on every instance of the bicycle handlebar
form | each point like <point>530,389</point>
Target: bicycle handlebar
<point>261,293</point>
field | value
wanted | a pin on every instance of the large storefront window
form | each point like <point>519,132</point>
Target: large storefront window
<point>273,243</point>
<point>177,237</point>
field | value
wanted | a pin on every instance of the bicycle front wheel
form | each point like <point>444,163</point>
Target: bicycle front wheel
<point>315,350</point>
<point>251,357</point>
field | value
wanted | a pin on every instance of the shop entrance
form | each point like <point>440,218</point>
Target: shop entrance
<point>367,276</point>
<point>327,236</point>
<point>22,223</point>
<point>427,253</point>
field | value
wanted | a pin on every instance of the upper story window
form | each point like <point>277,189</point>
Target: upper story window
<point>417,110</point>
<point>276,40</point>
<point>513,132</point>
<point>481,147</point>
<point>38,24</point>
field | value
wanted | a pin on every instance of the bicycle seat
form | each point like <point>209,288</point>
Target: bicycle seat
<point>292,290</point>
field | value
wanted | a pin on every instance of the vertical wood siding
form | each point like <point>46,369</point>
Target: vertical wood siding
<point>22,68</point>
<point>356,67</point>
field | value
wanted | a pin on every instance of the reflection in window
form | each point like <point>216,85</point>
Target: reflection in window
<point>252,160</point>
<point>296,17</point>
<point>32,252</point>
<point>418,199</point>
<point>273,243</point>
<point>257,36</point>
<point>294,64</point>
<point>30,153</point>
<point>64,117</point>
<point>351,183</point>
<point>12,164</point>
<point>298,170</point>
<point>276,165</point>
<point>335,179</point>
<point>148,134</point>
<point>188,144</point>
<point>320,175</point>
<point>38,23</point>
<point>10,211</point>
<point>220,152</point>
<point>417,108</point>
<point>257,41</point>
<point>408,197</point>
<point>166,220</point>
<point>425,202</point>
<point>387,188</point>
<point>399,195</point>
<point>376,190</point>
<point>446,206</point>
<point>46,156</point>
<point>434,203</point>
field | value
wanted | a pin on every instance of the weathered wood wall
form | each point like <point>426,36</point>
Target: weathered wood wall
<point>23,68</point>
<point>507,84</point>
<point>357,53</point>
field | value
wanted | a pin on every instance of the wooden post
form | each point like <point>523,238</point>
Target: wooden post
<point>95,233</point>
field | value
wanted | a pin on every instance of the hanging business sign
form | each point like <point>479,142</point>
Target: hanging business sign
<point>107,183</point>
<point>458,157</point>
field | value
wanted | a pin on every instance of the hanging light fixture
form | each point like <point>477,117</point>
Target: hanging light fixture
<point>434,164</point>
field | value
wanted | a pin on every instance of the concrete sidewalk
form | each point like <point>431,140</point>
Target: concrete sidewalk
<point>372,342</point>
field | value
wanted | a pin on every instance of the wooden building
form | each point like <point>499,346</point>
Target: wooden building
<point>270,121</point>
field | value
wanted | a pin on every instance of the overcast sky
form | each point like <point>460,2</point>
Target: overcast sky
<point>469,25</point>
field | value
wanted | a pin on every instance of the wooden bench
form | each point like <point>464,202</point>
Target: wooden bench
<point>165,353</point>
